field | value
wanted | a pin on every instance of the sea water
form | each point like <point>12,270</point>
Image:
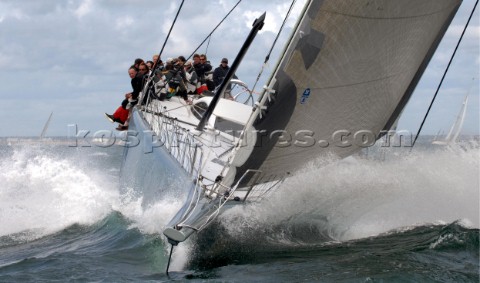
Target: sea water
<point>407,216</point>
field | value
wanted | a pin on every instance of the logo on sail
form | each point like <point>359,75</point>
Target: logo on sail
<point>305,96</point>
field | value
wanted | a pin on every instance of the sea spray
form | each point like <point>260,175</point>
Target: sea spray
<point>45,193</point>
<point>357,197</point>
<point>258,241</point>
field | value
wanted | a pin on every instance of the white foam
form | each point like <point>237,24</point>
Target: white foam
<point>357,198</point>
<point>45,194</point>
<point>151,219</point>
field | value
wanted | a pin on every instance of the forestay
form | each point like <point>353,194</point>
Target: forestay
<point>348,71</point>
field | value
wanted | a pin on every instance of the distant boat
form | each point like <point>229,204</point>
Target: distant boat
<point>45,128</point>
<point>456,128</point>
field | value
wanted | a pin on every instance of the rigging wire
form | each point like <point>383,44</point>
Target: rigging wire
<point>168,35</point>
<point>257,26</point>
<point>208,44</point>
<point>444,74</point>
<point>273,45</point>
<point>150,76</point>
<point>281,28</point>
<point>208,36</point>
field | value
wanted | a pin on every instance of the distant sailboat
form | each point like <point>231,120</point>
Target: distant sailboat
<point>45,128</point>
<point>456,128</point>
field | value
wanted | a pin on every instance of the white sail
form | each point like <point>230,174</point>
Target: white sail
<point>456,127</point>
<point>45,128</point>
<point>347,73</point>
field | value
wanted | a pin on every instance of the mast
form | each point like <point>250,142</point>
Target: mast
<point>257,25</point>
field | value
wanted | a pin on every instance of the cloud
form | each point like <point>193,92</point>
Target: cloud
<point>13,13</point>
<point>52,58</point>
<point>5,61</point>
<point>84,9</point>
<point>124,22</point>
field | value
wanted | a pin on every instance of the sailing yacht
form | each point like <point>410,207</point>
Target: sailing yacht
<point>456,128</point>
<point>344,76</point>
<point>45,127</point>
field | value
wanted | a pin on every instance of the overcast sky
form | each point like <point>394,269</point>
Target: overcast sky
<point>71,57</point>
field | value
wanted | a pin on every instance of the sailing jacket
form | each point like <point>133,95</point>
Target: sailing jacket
<point>220,73</point>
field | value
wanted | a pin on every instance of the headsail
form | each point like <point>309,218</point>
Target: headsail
<point>347,73</point>
<point>457,126</point>
<point>45,128</point>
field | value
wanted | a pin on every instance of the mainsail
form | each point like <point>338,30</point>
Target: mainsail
<point>348,71</point>
<point>457,126</point>
<point>45,128</point>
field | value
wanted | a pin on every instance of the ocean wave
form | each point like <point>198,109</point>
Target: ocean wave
<point>43,193</point>
<point>216,247</point>
<point>358,198</point>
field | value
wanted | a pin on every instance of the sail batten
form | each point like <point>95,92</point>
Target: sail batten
<point>350,67</point>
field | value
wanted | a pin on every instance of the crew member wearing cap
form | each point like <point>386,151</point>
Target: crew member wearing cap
<point>220,73</point>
